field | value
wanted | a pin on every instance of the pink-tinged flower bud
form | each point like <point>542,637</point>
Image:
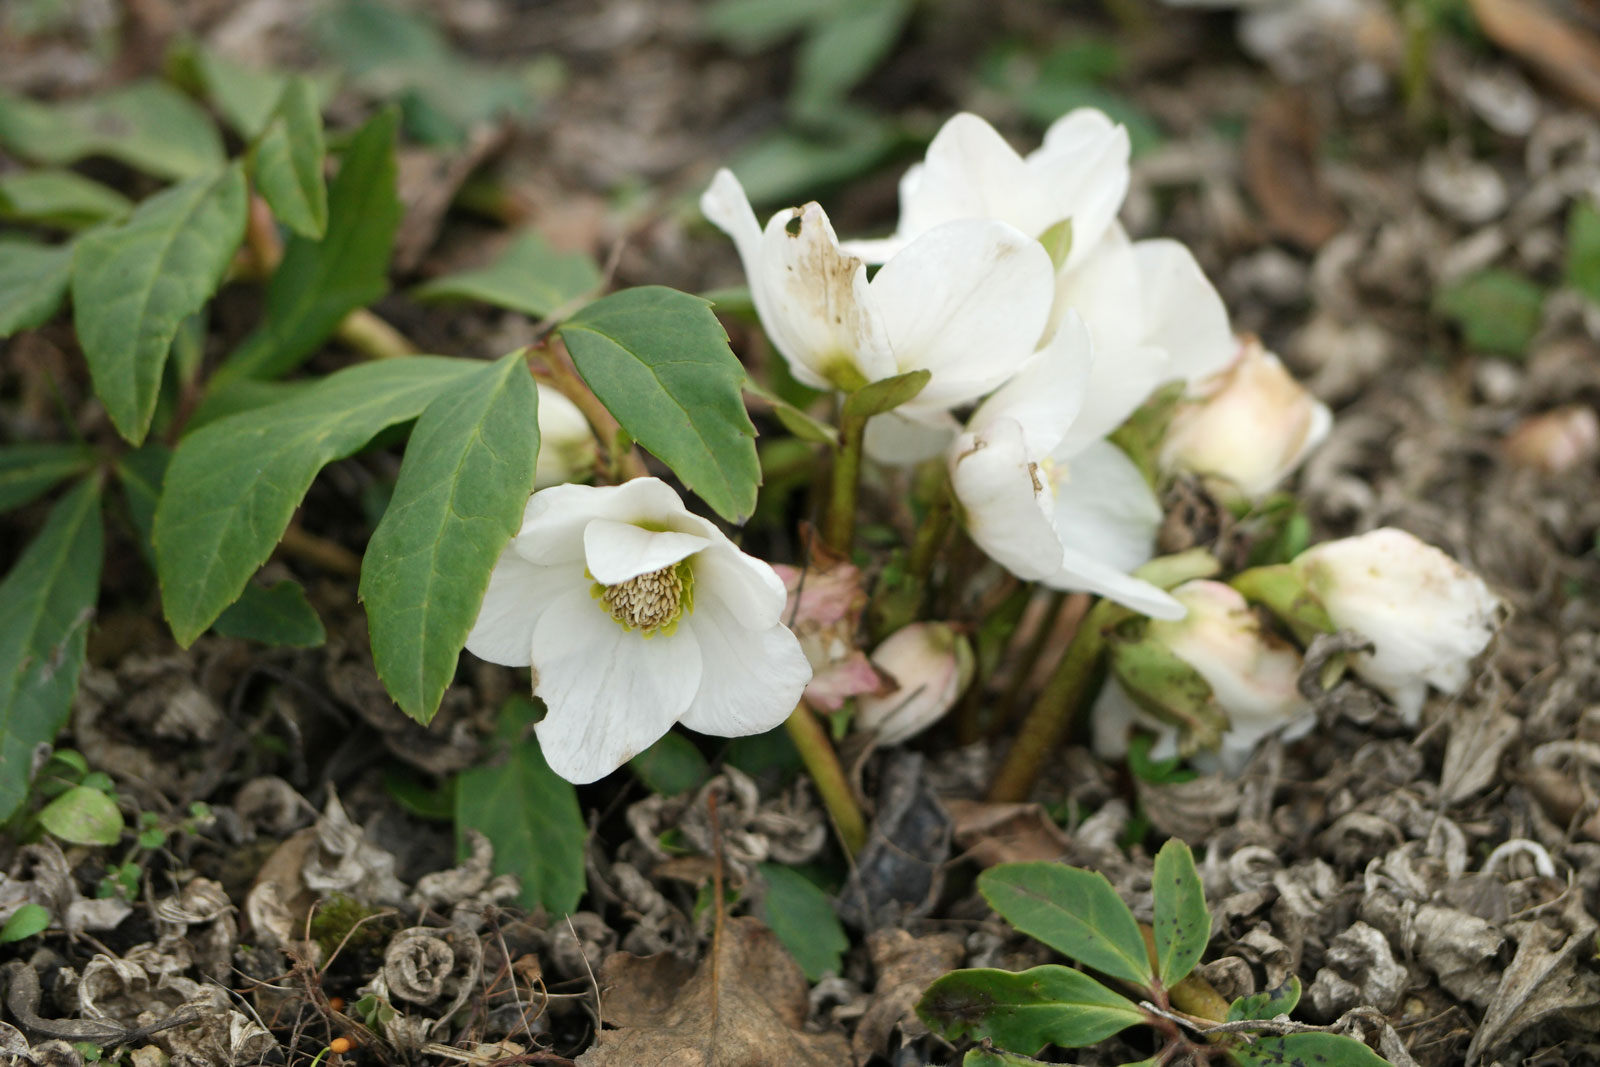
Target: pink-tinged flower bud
<point>1425,614</point>
<point>566,443</point>
<point>1555,441</point>
<point>1250,425</point>
<point>931,665</point>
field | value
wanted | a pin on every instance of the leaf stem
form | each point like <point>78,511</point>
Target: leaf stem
<point>328,555</point>
<point>930,536</point>
<point>1022,670</point>
<point>624,463</point>
<point>372,336</point>
<point>839,524</point>
<point>822,763</point>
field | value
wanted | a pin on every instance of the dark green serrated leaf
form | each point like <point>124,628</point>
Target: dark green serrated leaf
<point>466,479</point>
<point>529,276</point>
<point>1267,1004</point>
<point>49,598</point>
<point>1025,1011</point>
<point>1182,924</point>
<point>886,394</point>
<point>1306,1050</point>
<point>1075,912</point>
<point>1583,250</point>
<point>277,615</point>
<point>659,361</point>
<point>61,198</point>
<point>26,921</point>
<point>843,49</point>
<point>671,766</point>
<point>27,472</point>
<point>33,283</point>
<point>1498,311</point>
<point>149,125</point>
<point>802,916</point>
<point>320,282</point>
<point>141,473</point>
<point>232,486</point>
<point>529,813</point>
<point>134,284</point>
<point>83,816</point>
<point>288,161</point>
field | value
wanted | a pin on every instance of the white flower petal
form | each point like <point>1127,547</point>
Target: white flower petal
<point>967,301</point>
<point>1084,161</point>
<point>1082,573</point>
<point>724,203</point>
<point>898,441</point>
<point>970,172</point>
<point>1105,509</point>
<point>555,518</point>
<point>1183,312</point>
<point>611,693</point>
<point>519,593</point>
<point>1005,507</point>
<point>1045,396</point>
<point>752,677</point>
<point>746,587</point>
<point>1106,289</point>
<point>1120,381</point>
<point>616,551</point>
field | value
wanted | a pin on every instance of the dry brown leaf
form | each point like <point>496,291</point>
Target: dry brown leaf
<point>1281,171</point>
<point>1563,52</point>
<point>1006,833</point>
<point>743,1006</point>
<point>1472,758</point>
<point>906,966</point>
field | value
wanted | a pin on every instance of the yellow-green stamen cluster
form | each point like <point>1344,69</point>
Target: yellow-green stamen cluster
<point>652,602</point>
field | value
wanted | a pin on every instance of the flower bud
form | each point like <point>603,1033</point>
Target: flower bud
<point>931,665</point>
<point>1214,675</point>
<point>1555,441</point>
<point>566,443</point>
<point>1425,614</point>
<point>1250,425</point>
<point>825,601</point>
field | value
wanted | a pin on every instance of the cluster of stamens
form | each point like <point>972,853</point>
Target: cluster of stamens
<point>649,601</point>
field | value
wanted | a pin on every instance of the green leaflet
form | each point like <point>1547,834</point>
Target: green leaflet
<point>1182,926</point>
<point>1075,912</point>
<point>148,125</point>
<point>288,161</point>
<point>83,816</point>
<point>232,486</point>
<point>320,282</point>
<point>462,489</point>
<point>134,284</point>
<point>1025,1011</point>
<point>1306,1050</point>
<point>49,599</point>
<point>802,916</point>
<point>659,361</point>
<point>61,198</point>
<point>29,471</point>
<point>530,277</point>
<point>33,283</point>
<point>277,615</point>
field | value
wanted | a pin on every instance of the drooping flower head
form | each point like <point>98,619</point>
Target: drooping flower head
<point>566,442</point>
<point>931,665</point>
<point>635,614</point>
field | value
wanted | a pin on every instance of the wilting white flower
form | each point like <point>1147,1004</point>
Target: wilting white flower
<point>1252,676</point>
<point>566,442</point>
<point>1080,173</point>
<point>1043,495</point>
<point>931,664</point>
<point>966,301</point>
<point>1425,614</point>
<point>1251,425</point>
<point>636,614</point>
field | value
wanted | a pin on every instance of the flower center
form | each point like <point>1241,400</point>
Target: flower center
<point>652,602</point>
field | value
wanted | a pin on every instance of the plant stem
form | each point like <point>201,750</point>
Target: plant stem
<point>372,336</point>
<point>563,377</point>
<point>328,555</point>
<point>822,763</point>
<point>1052,713</point>
<point>839,524</point>
<point>1022,670</point>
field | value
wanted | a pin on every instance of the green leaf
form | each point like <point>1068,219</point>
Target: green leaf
<point>233,485</point>
<point>462,489</point>
<point>802,916</point>
<point>1182,924</point>
<point>751,25</point>
<point>33,283</point>
<point>529,813</point>
<point>149,125</point>
<point>1075,912</point>
<point>886,394</point>
<point>1267,1004</point>
<point>787,166</point>
<point>245,97</point>
<point>83,816</point>
<point>49,598</point>
<point>60,198</point>
<point>141,473</point>
<point>1023,1012</point>
<point>993,1057</point>
<point>1583,250</point>
<point>320,282</point>
<point>1306,1050</point>
<point>134,284</point>
<point>671,766</point>
<point>26,921</point>
<point>27,472</point>
<point>793,419</point>
<point>529,276</point>
<point>1164,684</point>
<point>1498,311</point>
<point>273,615</point>
<point>843,49</point>
<point>659,361</point>
<point>288,161</point>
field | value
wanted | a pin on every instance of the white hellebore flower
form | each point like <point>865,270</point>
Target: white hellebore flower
<point>1425,614</point>
<point>931,664</point>
<point>1252,674</point>
<point>1079,173</point>
<point>1043,495</point>
<point>636,614</point>
<point>566,443</point>
<point>1252,425</point>
<point>966,301</point>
